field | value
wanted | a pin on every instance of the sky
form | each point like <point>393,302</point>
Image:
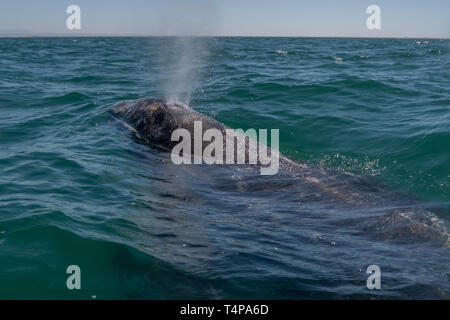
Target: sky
<point>333,18</point>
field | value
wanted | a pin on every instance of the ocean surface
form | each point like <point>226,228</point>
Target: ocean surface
<point>77,189</point>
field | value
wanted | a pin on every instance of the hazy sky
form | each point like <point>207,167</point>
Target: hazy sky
<point>399,18</point>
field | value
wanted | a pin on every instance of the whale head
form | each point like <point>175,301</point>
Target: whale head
<point>150,118</point>
<point>153,120</point>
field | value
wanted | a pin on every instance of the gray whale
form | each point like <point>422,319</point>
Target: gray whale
<point>388,214</point>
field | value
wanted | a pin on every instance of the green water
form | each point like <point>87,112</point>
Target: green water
<point>77,190</point>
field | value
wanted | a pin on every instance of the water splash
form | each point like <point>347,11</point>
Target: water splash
<point>184,67</point>
<point>187,55</point>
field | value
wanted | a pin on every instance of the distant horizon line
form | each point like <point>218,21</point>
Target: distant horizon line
<point>205,36</point>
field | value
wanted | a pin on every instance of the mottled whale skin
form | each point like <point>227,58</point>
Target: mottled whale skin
<point>154,120</point>
<point>390,214</point>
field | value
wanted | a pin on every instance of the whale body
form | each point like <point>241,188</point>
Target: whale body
<point>379,210</point>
